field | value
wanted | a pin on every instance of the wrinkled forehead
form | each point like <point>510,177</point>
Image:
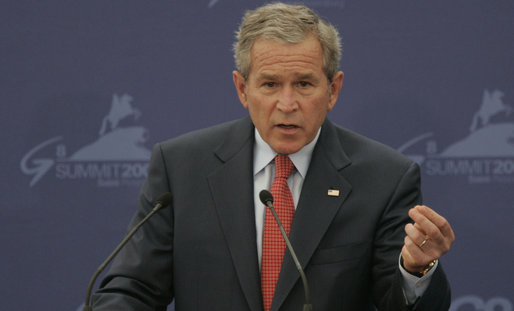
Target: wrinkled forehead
<point>272,54</point>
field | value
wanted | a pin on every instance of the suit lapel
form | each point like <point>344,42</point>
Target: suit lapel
<point>316,208</point>
<point>232,191</point>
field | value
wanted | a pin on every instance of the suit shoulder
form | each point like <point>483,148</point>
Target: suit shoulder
<point>359,147</point>
<point>206,138</point>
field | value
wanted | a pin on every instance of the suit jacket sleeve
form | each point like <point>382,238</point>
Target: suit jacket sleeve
<point>390,235</point>
<point>141,275</point>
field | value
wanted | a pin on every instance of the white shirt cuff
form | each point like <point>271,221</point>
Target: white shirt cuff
<point>413,286</point>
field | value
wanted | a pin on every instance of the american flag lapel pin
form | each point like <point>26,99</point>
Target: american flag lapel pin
<point>333,192</point>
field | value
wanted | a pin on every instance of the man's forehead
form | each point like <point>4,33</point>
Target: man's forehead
<point>263,47</point>
<point>271,58</point>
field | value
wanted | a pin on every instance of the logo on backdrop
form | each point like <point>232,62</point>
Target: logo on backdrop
<point>117,156</point>
<point>485,155</point>
<point>310,3</point>
<point>478,304</point>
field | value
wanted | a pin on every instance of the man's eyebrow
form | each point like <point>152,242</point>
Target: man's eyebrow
<point>265,76</point>
<point>306,76</point>
<point>298,76</point>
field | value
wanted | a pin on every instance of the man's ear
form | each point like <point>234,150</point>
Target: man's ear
<point>335,88</point>
<point>240,84</point>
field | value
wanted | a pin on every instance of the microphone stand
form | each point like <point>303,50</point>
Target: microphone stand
<point>163,201</point>
<point>267,199</point>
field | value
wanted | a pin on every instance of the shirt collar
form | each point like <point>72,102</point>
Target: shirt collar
<point>263,154</point>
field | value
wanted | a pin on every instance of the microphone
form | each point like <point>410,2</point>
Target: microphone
<point>163,201</point>
<point>267,199</point>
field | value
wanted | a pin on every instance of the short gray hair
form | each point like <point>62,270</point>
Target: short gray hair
<point>286,23</point>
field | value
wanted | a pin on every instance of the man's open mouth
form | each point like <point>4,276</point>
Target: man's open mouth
<point>287,126</point>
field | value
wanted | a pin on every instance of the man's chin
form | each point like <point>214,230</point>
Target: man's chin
<point>287,148</point>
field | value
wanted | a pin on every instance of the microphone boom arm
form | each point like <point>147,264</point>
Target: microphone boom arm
<point>307,306</point>
<point>163,201</point>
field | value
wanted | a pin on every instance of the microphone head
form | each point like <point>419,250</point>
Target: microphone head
<point>164,199</point>
<point>266,197</point>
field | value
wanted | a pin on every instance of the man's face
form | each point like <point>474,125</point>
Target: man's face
<point>287,93</point>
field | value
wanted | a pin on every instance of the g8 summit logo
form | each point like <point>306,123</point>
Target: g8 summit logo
<point>117,157</point>
<point>486,155</point>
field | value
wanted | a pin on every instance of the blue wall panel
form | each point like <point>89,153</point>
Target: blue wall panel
<point>434,79</point>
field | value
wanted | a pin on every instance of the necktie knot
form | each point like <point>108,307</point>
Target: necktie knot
<point>283,166</point>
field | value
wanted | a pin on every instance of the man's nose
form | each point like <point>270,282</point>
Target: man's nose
<point>287,100</point>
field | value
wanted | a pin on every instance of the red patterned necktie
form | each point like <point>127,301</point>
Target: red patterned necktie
<point>273,244</point>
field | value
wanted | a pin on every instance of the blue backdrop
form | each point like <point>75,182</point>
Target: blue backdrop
<point>87,87</point>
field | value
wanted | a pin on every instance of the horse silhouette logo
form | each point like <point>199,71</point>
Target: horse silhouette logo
<point>117,142</point>
<point>489,137</point>
<point>121,108</point>
<point>492,104</point>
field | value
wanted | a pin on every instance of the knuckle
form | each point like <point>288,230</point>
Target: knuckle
<point>408,228</point>
<point>431,231</point>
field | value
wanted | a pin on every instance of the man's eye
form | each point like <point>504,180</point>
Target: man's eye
<point>270,84</point>
<point>303,83</point>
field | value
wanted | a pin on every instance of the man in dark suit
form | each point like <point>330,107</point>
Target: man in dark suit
<point>351,197</point>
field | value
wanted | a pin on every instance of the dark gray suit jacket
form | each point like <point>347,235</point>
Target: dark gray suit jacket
<point>202,251</point>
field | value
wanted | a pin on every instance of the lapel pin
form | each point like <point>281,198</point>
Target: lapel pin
<point>333,192</point>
